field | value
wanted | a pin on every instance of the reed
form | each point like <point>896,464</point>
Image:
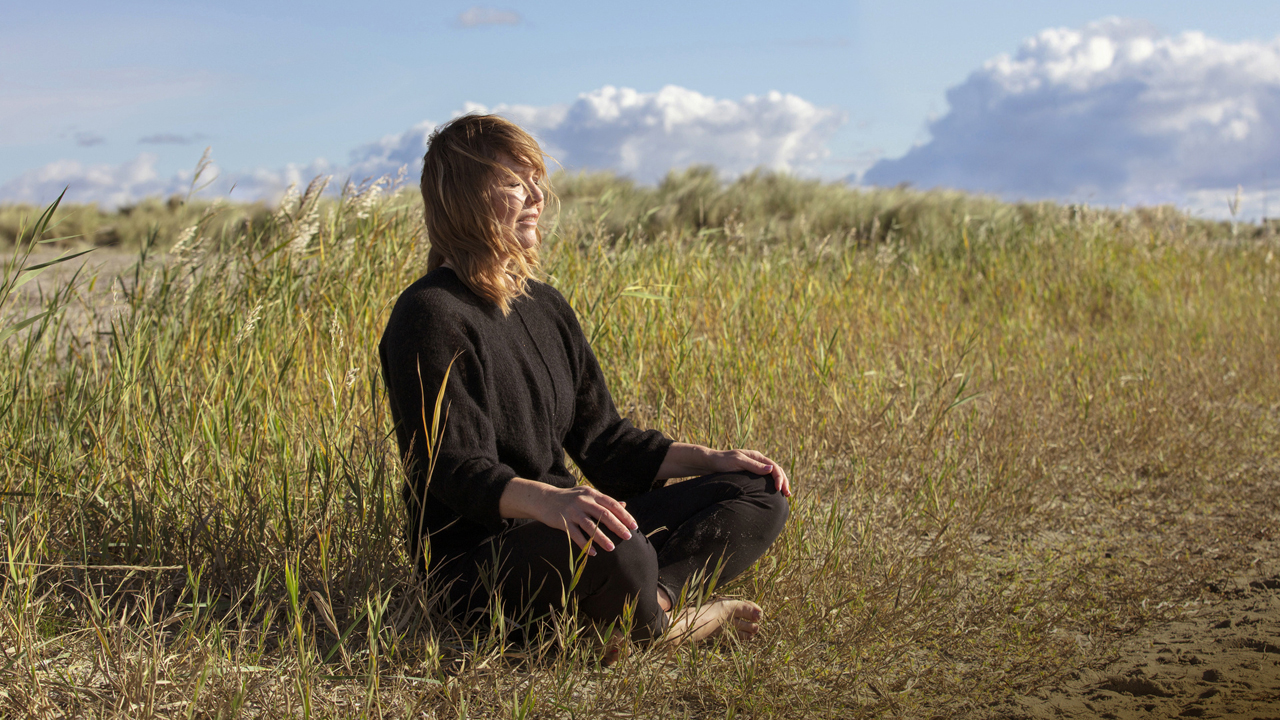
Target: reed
<point>1017,433</point>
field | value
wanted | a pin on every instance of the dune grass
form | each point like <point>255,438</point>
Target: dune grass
<point>1017,433</point>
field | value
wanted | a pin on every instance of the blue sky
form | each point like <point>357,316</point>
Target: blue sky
<point>134,91</point>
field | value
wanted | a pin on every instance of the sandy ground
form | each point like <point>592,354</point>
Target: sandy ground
<point>108,266</point>
<point>1221,661</point>
<point>106,263</point>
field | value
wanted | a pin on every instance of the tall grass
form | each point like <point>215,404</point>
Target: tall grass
<point>1016,433</point>
<point>129,227</point>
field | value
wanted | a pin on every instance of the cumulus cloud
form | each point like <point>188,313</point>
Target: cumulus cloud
<point>1111,113</point>
<point>114,185</point>
<point>388,155</point>
<point>170,139</point>
<point>110,185</point>
<point>270,183</point>
<point>481,16</point>
<point>644,135</point>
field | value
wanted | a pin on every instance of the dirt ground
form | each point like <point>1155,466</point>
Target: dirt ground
<point>99,276</point>
<point>106,263</point>
<point>1221,661</point>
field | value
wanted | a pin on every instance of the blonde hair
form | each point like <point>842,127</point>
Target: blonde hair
<point>462,226</point>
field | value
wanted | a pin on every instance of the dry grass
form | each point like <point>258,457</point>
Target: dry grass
<point>1017,434</point>
<point>149,222</point>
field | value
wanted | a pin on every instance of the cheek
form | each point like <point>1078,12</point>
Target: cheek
<point>505,205</point>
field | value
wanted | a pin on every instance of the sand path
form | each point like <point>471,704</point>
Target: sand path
<point>1221,661</point>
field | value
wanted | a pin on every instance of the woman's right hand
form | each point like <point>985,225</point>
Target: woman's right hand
<point>580,511</point>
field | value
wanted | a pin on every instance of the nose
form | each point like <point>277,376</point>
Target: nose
<point>535,196</point>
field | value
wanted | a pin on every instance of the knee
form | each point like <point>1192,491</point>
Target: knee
<point>750,483</point>
<point>764,490</point>
<point>777,509</point>
<point>773,505</point>
<point>625,577</point>
<point>631,567</point>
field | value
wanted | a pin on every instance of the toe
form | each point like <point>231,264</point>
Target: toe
<point>745,630</point>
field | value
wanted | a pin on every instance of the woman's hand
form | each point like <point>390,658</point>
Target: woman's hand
<point>684,460</point>
<point>751,461</point>
<point>580,511</point>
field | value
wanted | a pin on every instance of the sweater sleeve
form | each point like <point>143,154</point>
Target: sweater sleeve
<point>468,476</point>
<point>619,459</point>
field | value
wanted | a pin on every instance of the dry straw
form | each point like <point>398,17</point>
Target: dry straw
<point>1017,432</point>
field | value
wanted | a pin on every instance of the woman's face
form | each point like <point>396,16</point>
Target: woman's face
<point>518,201</point>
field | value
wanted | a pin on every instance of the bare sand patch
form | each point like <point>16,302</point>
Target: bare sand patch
<point>1222,660</point>
<point>103,278</point>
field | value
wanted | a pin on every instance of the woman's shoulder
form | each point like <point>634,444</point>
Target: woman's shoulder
<point>438,299</point>
<point>559,311</point>
<point>547,295</point>
<point>439,291</point>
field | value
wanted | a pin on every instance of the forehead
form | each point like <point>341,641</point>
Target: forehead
<point>519,167</point>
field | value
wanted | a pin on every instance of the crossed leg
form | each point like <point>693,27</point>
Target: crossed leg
<point>692,534</point>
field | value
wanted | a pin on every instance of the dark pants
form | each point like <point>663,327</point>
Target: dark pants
<point>711,527</point>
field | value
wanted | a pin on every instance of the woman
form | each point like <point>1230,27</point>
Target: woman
<point>493,499</point>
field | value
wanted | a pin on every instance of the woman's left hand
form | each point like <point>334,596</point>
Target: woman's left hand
<point>750,461</point>
<point>684,460</point>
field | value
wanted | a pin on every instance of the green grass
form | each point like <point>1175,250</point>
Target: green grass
<point>1017,433</point>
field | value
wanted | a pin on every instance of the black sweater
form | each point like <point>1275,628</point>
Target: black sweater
<point>522,389</point>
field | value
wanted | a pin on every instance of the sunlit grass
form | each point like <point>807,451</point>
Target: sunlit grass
<point>1016,432</point>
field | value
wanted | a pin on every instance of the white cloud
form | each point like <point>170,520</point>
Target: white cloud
<point>646,134</point>
<point>1110,113</point>
<point>268,183</point>
<point>386,156</point>
<point>109,185</point>
<point>481,16</point>
<point>642,135</point>
<point>113,185</point>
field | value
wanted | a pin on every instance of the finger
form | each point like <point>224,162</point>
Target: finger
<point>597,534</point>
<point>579,538</point>
<point>745,628</point>
<point>784,483</point>
<point>779,475</point>
<point>613,522</point>
<point>756,462</point>
<point>775,470</point>
<point>618,520</point>
<point>600,508</point>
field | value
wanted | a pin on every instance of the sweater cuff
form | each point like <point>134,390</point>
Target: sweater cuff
<point>487,485</point>
<point>654,449</point>
<point>661,446</point>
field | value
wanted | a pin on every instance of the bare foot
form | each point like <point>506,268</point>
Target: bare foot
<point>615,648</point>
<point>739,617</point>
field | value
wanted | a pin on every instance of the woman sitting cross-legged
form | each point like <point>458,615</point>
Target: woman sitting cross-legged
<point>493,500</point>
